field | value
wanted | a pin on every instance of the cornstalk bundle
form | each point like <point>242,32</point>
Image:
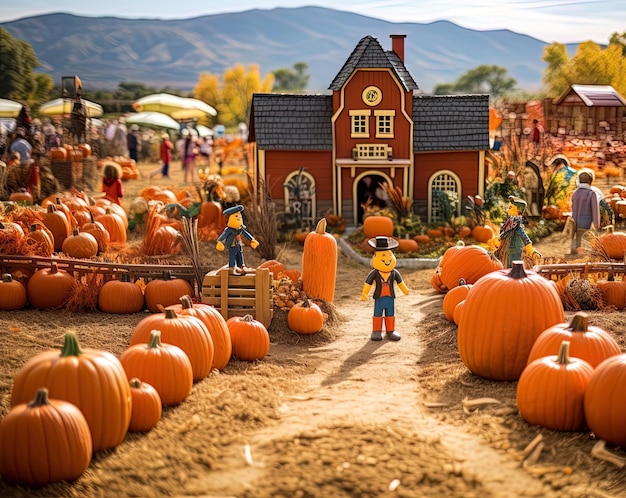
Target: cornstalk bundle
<point>189,237</point>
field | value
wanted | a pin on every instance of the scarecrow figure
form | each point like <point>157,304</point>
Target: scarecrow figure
<point>383,276</point>
<point>231,238</point>
<point>513,237</point>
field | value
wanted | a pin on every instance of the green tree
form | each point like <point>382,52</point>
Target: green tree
<point>291,81</point>
<point>619,39</point>
<point>482,79</point>
<point>231,94</point>
<point>18,81</point>
<point>591,65</point>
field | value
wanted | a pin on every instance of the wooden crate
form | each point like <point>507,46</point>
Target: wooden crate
<point>239,295</point>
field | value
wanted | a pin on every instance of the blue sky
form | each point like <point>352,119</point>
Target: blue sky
<point>563,21</point>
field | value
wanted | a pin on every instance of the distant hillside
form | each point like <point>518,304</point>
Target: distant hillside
<point>106,50</point>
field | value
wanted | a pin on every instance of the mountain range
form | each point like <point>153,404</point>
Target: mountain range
<point>106,50</point>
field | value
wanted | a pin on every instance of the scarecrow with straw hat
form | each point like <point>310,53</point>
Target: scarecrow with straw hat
<point>513,237</point>
<point>382,277</point>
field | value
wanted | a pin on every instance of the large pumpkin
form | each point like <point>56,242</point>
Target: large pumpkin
<point>214,321</point>
<point>114,224</point>
<point>468,263</point>
<point>378,225</point>
<point>250,338</point>
<point>592,344</point>
<point>121,296</point>
<point>503,314</point>
<point>187,332</point>
<point>613,291</point>
<point>319,263</point>
<point>44,441</point>
<point>160,294</point>
<point>551,391</point>
<point>605,403</point>
<point>164,366</point>
<point>614,244</point>
<point>91,379</point>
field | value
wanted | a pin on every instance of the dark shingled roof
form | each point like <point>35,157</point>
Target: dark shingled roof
<point>369,54</point>
<point>291,122</point>
<point>451,122</point>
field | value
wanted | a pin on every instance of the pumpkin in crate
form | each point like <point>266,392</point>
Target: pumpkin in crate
<point>185,331</point>
<point>503,314</point>
<point>319,263</point>
<point>80,245</point>
<point>215,323</point>
<point>589,343</point>
<point>275,267</point>
<point>58,154</point>
<point>100,233</point>
<point>250,338</point>
<point>305,317</point>
<point>12,229</point>
<point>91,379</point>
<point>605,404</point>
<point>551,391</point>
<point>378,225</point>
<point>121,296</point>
<point>468,263</point>
<point>613,291</point>
<point>12,294</point>
<point>44,441</point>
<point>146,406</point>
<point>114,225</point>
<point>454,297</point>
<point>49,288</point>
<point>160,294</point>
<point>164,366</point>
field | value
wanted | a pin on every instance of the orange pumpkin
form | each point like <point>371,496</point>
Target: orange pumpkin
<point>407,245</point>
<point>57,154</point>
<point>378,225</point>
<point>146,406</point>
<point>467,262</point>
<point>454,297</point>
<point>160,294</point>
<point>121,296</point>
<point>250,338</point>
<point>422,239</point>
<point>12,294</point>
<point>319,263</point>
<point>614,244</point>
<point>80,245</point>
<point>76,375</point>
<point>483,233</point>
<point>49,288</point>
<point>305,318</point>
<point>40,240</point>
<point>57,222</point>
<point>114,225</point>
<point>613,291</point>
<point>275,267</point>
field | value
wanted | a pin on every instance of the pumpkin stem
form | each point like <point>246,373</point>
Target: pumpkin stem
<point>54,268</point>
<point>462,282</point>
<point>611,277</point>
<point>7,278</point>
<point>321,226</point>
<point>460,243</point>
<point>248,318</point>
<point>71,347</point>
<point>186,302</point>
<point>41,398</point>
<point>170,314</point>
<point>135,383</point>
<point>579,322</point>
<point>563,357</point>
<point>51,208</point>
<point>33,228</point>
<point>125,277</point>
<point>155,339</point>
<point>517,270</point>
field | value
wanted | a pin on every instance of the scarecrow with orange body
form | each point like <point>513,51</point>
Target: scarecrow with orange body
<point>231,238</point>
<point>383,277</point>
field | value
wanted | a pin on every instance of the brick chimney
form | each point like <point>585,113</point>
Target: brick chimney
<point>397,45</point>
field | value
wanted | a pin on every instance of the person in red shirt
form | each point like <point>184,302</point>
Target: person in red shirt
<point>166,157</point>
<point>111,183</point>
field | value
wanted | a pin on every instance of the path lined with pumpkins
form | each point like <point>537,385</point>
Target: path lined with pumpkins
<point>193,340</point>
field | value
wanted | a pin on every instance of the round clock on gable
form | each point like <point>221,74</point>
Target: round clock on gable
<point>372,95</point>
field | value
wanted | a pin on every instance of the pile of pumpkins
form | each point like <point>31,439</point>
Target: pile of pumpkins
<point>511,327</point>
<point>56,421</point>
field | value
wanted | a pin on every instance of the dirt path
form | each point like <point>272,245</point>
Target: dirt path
<point>369,388</point>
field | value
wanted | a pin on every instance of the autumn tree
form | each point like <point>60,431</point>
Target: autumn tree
<point>18,81</point>
<point>591,65</point>
<point>493,80</point>
<point>291,81</point>
<point>231,94</point>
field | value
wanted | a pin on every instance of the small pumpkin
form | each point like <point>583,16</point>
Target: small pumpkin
<point>58,223</point>
<point>407,245</point>
<point>605,409</point>
<point>483,233</point>
<point>164,366</point>
<point>49,288</point>
<point>80,245</point>
<point>275,267</point>
<point>613,291</point>
<point>147,408</point>
<point>551,391</point>
<point>12,294</point>
<point>613,243</point>
<point>250,338</point>
<point>592,344</point>
<point>305,317</point>
<point>454,297</point>
<point>99,232</point>
<point>44,441</point>
<point>422,238</point>
<point>160,294</point>
<point>22,195</point>
<point>121,296</point>
<point>40,240</point>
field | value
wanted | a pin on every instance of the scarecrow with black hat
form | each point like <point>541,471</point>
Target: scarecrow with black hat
<point>231,238</point>
<point>513,237</point>
<point>382,277</point>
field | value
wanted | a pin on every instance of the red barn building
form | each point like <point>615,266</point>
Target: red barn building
<point>373,128</point>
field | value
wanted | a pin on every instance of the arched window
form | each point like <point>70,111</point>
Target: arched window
<point>300,205</point>
<point>444,193</point>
